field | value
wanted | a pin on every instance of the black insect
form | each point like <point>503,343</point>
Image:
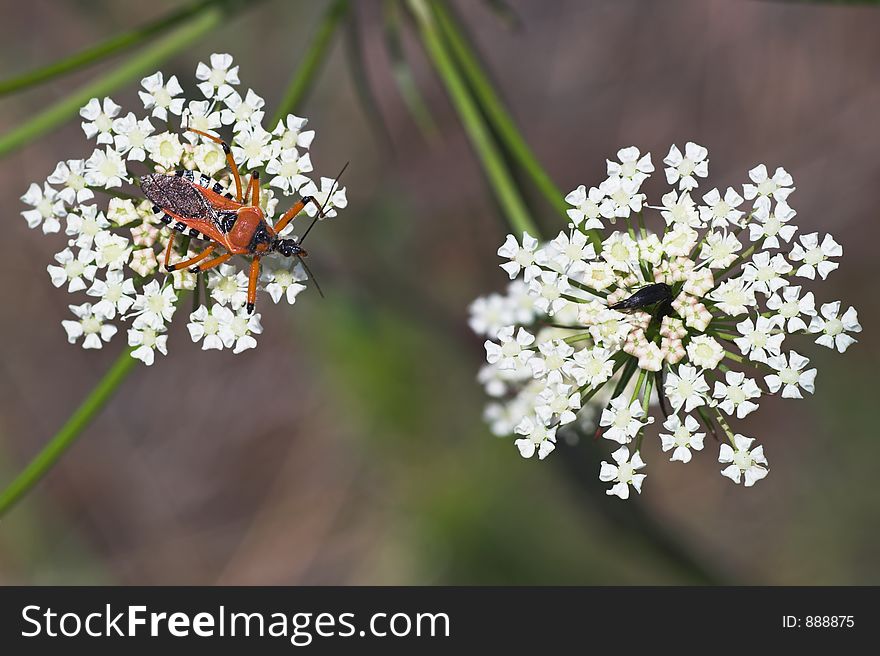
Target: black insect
<point>659,292</point>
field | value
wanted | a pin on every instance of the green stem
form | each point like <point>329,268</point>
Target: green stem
<point>138,65</point>
<point>77,422</point>
<point>301,81</point>
<point>100,51</point>
<point>495,110</point>
<point>477,131</point>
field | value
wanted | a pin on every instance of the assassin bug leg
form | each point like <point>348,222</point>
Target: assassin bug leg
<point>170,247</point>
<point>193,260</point>
<point>293,211</point>
<point>252,284</point>
<point>254,189</point>
<point>229,160</point>
<point>210,264</point>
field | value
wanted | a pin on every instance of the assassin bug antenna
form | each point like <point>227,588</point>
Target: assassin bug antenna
<point>321,209</point>
<point>311,275</point>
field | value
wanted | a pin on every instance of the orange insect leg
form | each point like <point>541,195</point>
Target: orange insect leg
<point>210,264</point>
<point>168,250</point>
<point>229,160</point>
<point>252,284</point>
<point>193,260</point>
<point>293,211</point>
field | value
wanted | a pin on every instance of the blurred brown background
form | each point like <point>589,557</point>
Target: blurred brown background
<point>349,447</point>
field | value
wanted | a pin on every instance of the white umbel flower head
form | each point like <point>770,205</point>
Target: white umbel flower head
<point>116,242</point>
<point>690,301</point>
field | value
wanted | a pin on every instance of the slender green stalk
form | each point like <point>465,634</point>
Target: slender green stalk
<point>491,159</point>
<point>75,425</point>
<point>403,76</point>
<point>138,65</point>
<point>102,50</point>
<point>301,81</point>
<point>495,110</point>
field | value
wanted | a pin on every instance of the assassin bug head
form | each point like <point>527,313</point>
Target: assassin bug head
<point>289,248</point>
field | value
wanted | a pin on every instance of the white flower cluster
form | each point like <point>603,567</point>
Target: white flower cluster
<point>696,310</point>
<point>113,243</point>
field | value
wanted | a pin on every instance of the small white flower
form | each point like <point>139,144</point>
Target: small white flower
<point>585,213</point>
<point>206,325</point>
<point>510,353</point>
<point>521,257</point>
<point>121,212</point>
<point>631,165</point>
<point>685,169</point>
<point>623,419</point>
<point>721,212</point>
<point>557,401</point>
<point>734,296</point>
<point>217,77</point>
<point>621,251</point>
<point>199,115</point>
<point>73,270</point>
<point>71,174</point>
<point>548,289</point>
<point>680,209</point>
<point>86,224</point>
<point>47,208</point>
<point>736,394</point>
<point>680,240</point>
<point>551,359</point>
<point>591,367</point>
<point>790,375</point>
<point>160,97</point>
<point>329,201</point>
<point>760,338</point>
<point>705,351</point>
<point>682,437</point>
<point>165,149</point>
<point>209,158</point>
<point>116,293</point>
<point>290,133</point>
<point>284,283</point>
<point>113,251</point>
<point>814,256</point>
<point>89,326</point>
<point>621,197</point>
<point>155,306</point>
<point>539,439</point>
<point>131,136</point>
<point>99,119</point>
<point>288,168</point>
<point>686,388</point>
<point>243,113</point>
<point>772,226</point>
<point>779,186</point>
<point>765,273</point>
<point>238,333</point>
<point>720,249</point>
<point>105,168</point>
<point>252,147</point>
<point>745,464</point>
<point>229,286</point>
<point>148,341</point>
<point>623,473</point>
<point>834,329</point>
<point>791,306</point>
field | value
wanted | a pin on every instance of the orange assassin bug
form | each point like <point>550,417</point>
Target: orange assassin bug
<point>191,202</point>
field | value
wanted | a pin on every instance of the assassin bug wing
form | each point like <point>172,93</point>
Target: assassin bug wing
<point>176,195</point>
<point>658,292</point>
